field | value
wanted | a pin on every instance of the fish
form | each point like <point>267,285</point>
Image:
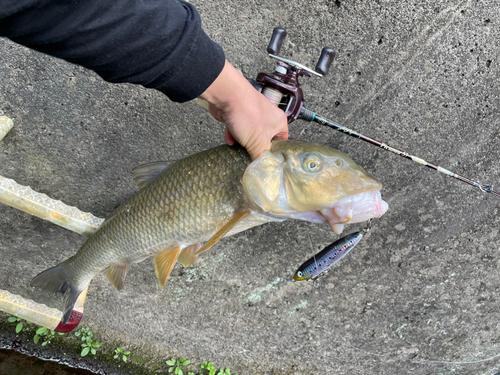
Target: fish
<point>327,257</point>
<point>184,207</point>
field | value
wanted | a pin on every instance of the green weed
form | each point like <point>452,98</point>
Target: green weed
<point>19,325</point>
<point>226,371</point>
<point>88,345</point>
<point>120,353</point>
<point>46,334</point>
<point>210,366</point>
<point>176,366</point>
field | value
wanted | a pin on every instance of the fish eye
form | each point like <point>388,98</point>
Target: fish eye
<point>299,274</point>
<point>312,163</point>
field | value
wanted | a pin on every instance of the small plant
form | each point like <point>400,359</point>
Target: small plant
<point>19,325</point>
<point>120,353</point>
<point>88,345</point>
<point>210,366</point>
<point>84,334</point>
<point>46,334</point>
<point>91,347</point>
<point>176,366</point>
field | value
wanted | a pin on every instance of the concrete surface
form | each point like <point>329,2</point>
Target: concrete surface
<point>422,286</point>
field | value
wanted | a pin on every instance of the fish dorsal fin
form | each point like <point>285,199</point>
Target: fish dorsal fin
<point>237,217</point>
<point>187,255</point>
<point>144,174</point>
<point>164,263</point>
<point>116,273</point>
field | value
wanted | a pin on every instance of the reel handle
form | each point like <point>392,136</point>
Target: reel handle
<point>277,40</point>
<point>325,60</point>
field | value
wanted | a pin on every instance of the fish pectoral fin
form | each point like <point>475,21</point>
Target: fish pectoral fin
<point>237,217</point>
<point>116,273</point>
<point>188,254</point>
<point>164,263</point>
<point>146,173</point>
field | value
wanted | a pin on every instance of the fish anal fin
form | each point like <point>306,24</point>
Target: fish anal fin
<point>146,173</point>
<point>81,300</point>
<point>237,217</point>
<point>188,254</point>
<point>116,273</point>
<point>164,263</point>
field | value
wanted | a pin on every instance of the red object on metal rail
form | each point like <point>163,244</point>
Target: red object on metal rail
<point>73,322</point>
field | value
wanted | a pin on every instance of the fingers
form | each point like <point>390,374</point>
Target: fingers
<point>250,118</point>
<point>256,126</point>
<point>282,134</point>
<point>228,138</point>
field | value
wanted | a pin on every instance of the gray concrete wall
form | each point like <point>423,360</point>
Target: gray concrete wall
<point>421,286</point>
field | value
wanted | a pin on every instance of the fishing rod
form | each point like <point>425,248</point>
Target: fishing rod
<point>309,115</point>
<point>283,89</point>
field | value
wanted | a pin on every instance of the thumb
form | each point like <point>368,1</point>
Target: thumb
<point>257,149</point>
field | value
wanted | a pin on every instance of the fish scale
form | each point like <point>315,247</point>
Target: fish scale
<point>142,224</point>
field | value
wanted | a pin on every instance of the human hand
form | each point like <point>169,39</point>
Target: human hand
<point>250,118</point>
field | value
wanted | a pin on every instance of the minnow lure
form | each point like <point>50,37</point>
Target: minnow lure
<point>327,257</point>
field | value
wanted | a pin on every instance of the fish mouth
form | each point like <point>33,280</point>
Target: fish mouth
<point>352,209</point>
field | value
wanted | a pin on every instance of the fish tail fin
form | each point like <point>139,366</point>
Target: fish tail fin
<point>56,280</point>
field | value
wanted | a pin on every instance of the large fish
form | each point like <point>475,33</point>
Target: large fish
<point>218,192</point>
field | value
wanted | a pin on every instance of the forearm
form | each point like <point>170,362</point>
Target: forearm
<point>156,43</point>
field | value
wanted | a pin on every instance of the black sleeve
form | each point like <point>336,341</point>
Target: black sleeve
<point>156,43</point>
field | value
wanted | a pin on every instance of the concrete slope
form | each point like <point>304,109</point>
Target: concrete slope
<point>419,294</point>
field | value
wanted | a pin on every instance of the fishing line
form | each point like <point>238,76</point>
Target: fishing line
<point>310,115</point>
<point>365,231</point>
<point>368,227</point>
<point>312,249</point>
<point>418,359</point>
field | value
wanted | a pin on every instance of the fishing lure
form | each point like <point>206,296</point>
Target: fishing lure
<point>327,257</point>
